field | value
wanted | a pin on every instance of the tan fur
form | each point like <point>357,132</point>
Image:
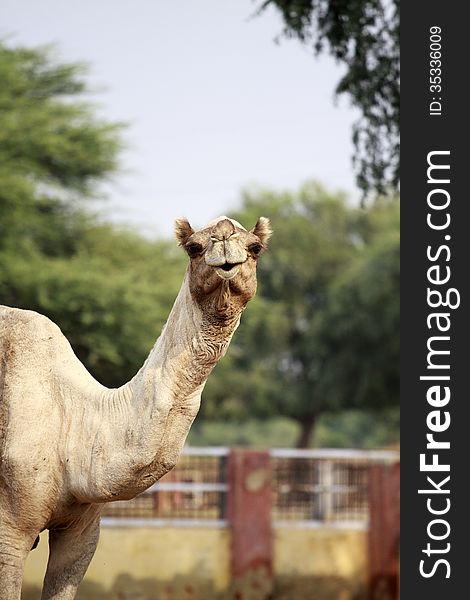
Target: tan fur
<point>263,230</point>
<point>68,444</point>
<point>182,231</point>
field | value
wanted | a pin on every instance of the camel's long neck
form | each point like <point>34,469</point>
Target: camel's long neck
<point>187,350</point>
<point>160,403</point>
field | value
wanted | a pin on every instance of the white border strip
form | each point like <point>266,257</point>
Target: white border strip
<point>359,525</point>
<point>336,453</point>
<point>205,451</point>
<point>129,522</point>
<point>346,453</point>
<point>141,522</point>
<point>185,486</point>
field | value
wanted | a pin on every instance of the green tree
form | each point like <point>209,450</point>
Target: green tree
<point>362,35</point>
<point>111,298</point>
<point>110,291</point>
<point>362,320</point>
<point>53,151</point>
<point>277,361</point>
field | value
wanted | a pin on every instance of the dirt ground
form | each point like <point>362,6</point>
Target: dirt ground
<point>128,588</point>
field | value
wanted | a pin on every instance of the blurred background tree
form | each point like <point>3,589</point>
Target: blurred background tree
<point>322,335</point>
<point>94,281</point>
<point>364,36</point>
<point>317,349</point>
<point>53,151</point>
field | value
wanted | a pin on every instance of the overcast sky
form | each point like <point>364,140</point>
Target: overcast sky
<point>213,104</point>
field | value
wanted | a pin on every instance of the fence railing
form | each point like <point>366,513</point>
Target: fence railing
<point>194,492</point>
<point>324,486</point>
<point>309,488</point>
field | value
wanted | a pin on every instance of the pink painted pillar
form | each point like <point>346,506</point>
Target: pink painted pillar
<point>249,514</point>
<point>384,531</point>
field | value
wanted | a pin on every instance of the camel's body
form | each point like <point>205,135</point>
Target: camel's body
<point>68,444</point>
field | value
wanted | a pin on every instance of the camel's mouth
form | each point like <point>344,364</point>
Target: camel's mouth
<point>228,270</point>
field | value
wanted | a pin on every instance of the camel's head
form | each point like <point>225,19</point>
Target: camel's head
<point>223,257</point>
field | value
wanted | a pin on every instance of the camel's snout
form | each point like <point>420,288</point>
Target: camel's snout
<point>226,251</point>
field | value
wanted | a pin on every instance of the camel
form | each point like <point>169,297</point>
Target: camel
<point>69,444</point>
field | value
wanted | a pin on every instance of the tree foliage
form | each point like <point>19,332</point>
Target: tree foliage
<point>111,298</point>
<point>362,35</point>
<point>362,319</point>
<point>108,290</point>
<point>322,335</point>
<point>53,151</point>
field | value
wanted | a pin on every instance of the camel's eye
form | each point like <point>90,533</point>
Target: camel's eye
<point>255,248</point>
<point>193,249</point>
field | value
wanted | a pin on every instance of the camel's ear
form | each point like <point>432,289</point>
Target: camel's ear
<point>183,231</point>
<point>263,230</point>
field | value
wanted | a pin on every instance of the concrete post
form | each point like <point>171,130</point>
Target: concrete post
<point>249,514</point>
<point>384,531</point>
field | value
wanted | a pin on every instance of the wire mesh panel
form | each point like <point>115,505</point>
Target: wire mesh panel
<point>194,490</point>
<point>322,486</point>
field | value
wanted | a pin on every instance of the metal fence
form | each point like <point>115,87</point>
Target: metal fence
<point>309,488</point>
<point>194,493</point>
<point>316,487</point>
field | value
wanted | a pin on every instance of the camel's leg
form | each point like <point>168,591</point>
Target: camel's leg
<point>13,552</point>
<point>70,553</point>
